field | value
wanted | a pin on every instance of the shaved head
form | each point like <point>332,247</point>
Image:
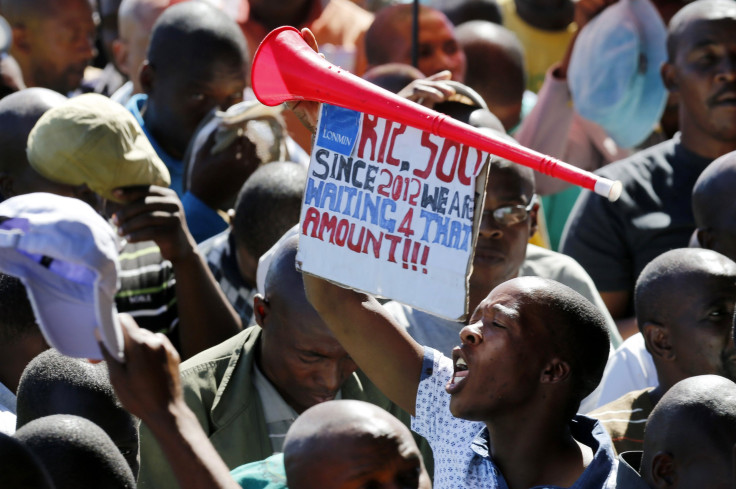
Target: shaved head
<point>19,112</point>
<point>691,433</point>
<point>135,24</point>
<point>298,353</point>
<point>713,192</point>
<point>194,29</point>
<point>339,441</point>
<point>664,279</point>
<point>701,10</point>
<point>495,67</point>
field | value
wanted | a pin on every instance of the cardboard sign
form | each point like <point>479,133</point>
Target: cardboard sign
<point>392,210</point>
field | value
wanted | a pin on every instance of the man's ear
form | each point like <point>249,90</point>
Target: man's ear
<point>147,77</point>
<point>555,371</point>
<point>663,471</point>
<point>120,53</point>
<point>668,72</point>
<point>261,310</point>
<point>657,340</point>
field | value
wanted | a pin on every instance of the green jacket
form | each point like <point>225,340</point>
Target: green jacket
<point>218,387</point>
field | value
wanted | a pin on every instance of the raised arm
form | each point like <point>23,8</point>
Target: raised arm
<point>206,318</point>
<point>148,385</point>
<point>380,347</point>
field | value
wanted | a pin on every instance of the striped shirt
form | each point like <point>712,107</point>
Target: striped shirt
<point>147,287</point>
<point>625,418</point>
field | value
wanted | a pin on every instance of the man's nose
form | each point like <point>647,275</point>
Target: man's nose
<point>471,335</point>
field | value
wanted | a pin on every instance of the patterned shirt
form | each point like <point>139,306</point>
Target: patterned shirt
<point>461,448</point>
<point>219,251</point>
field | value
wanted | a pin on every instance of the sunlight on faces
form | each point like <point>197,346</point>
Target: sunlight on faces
<point>500,250</point>
<point>700,323</point>
<point>61,46</point>
<point>352,445</point>
<point>299,355</point>
<point>502,354</point>
<point>438,49</point>
<point>702,75</point>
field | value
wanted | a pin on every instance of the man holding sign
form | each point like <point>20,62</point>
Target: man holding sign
<point>502,410</point>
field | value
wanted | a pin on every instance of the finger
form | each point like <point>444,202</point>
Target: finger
<point>131,193</point>
<point>309,38</point>
<point>151,204</point>
<point>442,75</point>
<point>157,223</point>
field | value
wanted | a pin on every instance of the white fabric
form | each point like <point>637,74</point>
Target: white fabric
<point>630,368</point>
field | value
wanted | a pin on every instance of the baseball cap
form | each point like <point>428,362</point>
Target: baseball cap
<point>92,140</point>
<point>614,75</point>
<point>66,255</point>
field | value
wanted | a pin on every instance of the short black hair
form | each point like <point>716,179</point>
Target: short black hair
<point>51,370</point>
<point>17,320</point>
<point>194,30</point>
<point>49,382</point>
<point>577,332</point>
<point>268,205</point>
<point>25,470</point>
<point>76,453</point>
<point>657,283</point>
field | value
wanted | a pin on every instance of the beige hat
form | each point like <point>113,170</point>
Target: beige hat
<point>92,140</point>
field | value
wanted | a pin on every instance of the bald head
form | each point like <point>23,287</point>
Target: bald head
<point>135,25</point>
<point>283,280</point>
<point>690,434</point>
<point>19,112</point>
<point>665,279</point>
<point>700,10</point>
<point>194,30</point>
<point>714,207</point>
<point>495,67</point>
<point>19,12</point>
<point>27,471</point>
<point>338,441</point>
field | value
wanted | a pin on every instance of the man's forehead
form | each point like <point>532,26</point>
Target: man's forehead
<point>710,28</point>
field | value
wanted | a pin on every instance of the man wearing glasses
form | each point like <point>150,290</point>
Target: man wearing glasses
<point>503,253</point>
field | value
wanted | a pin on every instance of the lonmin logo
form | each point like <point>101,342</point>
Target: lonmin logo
<point>338,129</point>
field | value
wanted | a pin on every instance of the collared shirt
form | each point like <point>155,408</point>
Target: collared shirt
<point>279,415</point>
<point>7,410</point>
<point>219,251</point>
<point>461,447</point>
<point>629,466</point>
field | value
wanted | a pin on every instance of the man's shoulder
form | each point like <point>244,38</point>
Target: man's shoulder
<point>213,248</point>
<point>642,163</point>
<point>219,355</point>
<point>633,405</point>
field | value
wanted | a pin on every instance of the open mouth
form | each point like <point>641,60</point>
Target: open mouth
<point>460,373</point>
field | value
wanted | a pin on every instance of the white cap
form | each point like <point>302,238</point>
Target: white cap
<point>6,35</point>
<point>66,255</point>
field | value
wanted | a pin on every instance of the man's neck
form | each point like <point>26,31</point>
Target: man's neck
<point>697,141</point>
<point>149,118</point>
<point>528,453</point>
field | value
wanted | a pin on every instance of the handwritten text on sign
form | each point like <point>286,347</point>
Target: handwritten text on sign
<point>389,209</point>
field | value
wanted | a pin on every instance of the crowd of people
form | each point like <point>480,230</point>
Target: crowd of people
<point>156,332</point>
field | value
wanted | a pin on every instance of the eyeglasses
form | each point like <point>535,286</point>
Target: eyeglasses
<point>509,215</point>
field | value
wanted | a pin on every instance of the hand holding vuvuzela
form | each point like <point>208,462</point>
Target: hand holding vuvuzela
<point>286,68</point>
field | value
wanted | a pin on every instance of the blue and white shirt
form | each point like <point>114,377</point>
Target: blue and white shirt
<point>461,447</point>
